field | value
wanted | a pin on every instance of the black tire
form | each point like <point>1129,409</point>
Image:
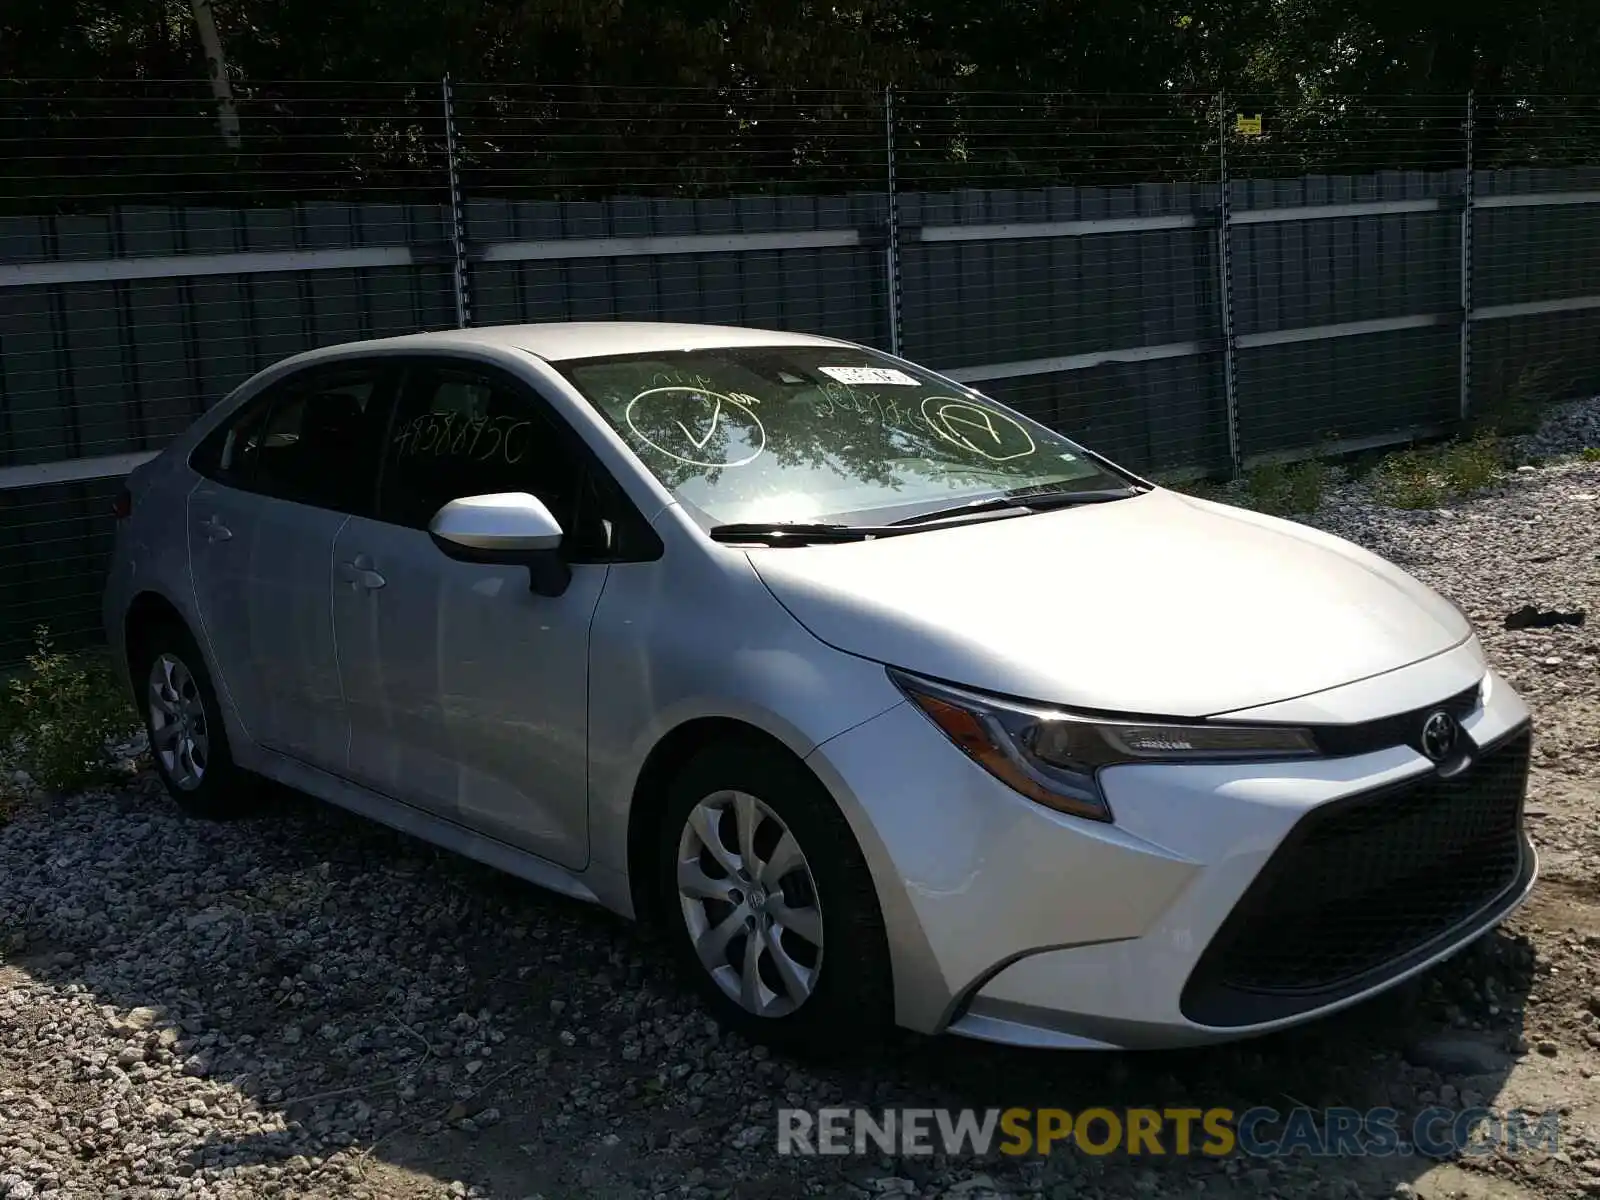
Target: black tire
<point>223,791</point>
<point>850,1006</point>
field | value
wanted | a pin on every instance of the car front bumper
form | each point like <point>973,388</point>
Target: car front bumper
<point>1012,923</point>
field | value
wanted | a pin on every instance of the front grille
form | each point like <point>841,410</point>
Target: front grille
<point>1402,729</point>
<point>1363,887</point>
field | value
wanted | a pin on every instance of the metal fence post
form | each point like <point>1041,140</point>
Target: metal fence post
<point>892,250</point>
<point>1468,188</point>
<point>1225,291</point>
<point>458,239</point>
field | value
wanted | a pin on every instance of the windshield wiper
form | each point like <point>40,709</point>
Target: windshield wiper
<point>1022,502</point>
<point>800,533</point>
<point>796,533</point>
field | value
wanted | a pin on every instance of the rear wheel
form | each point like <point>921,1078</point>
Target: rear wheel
<point>184,724</point>
<point>770,905</point>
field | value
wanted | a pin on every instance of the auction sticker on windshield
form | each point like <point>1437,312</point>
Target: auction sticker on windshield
<point>859,375</point>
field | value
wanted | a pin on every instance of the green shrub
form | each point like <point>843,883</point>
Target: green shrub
<point>56,718</point>
<point>1426,478</point>
<point>1266,487</point>
<point>1408,480</point>
<point>1591,454</point>
<point>1473,465</point>
<point>1283,490</point>
<point>1306,483</point>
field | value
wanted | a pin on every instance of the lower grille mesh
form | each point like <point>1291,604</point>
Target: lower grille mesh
<point>1360,884</point>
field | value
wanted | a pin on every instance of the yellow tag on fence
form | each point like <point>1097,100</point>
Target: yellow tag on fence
<point>1248,126</point>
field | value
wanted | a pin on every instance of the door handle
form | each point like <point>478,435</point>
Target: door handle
<point>359,574</point>
<point>215,530</point>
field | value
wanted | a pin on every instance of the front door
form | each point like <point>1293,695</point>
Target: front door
<point>467,693</point>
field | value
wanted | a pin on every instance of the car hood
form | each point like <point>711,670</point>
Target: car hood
<point>1161,604</point>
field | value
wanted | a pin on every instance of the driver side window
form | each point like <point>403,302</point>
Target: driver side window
<point>461,432</point>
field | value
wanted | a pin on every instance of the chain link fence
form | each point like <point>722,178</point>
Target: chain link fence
<point>1187,283</point>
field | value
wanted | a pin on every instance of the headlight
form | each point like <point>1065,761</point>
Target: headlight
<point>1054,757</point>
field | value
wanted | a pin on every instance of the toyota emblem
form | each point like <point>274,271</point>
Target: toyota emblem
<point>1439,736</point>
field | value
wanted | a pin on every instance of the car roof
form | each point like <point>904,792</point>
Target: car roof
<point>560,341</point>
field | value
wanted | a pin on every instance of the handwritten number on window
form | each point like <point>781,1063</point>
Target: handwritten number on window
<point>486,439</point>
<point>885,410</point>
<point>516,449</point>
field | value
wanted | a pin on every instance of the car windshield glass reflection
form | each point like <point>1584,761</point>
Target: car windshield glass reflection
<point>811,433</point>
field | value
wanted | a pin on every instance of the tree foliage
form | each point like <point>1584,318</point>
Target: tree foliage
<point>1391,47</point>
<point>595,97</point>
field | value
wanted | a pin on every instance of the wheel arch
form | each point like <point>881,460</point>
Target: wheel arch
<point>150,610</point>
<point>146,611</point>
<point>671,753</point>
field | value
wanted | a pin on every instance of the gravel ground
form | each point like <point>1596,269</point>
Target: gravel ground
<point>309,1005</point>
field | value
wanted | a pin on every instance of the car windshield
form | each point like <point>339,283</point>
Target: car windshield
<point>819,433</point>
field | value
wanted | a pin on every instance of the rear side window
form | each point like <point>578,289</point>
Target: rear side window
<point>221,455</point>
<point>315,438</point>
<point>319,445</point>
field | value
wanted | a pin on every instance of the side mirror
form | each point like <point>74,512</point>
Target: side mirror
<point>507,527</point>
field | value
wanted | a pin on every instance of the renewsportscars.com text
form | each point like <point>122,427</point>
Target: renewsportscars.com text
<point>1212,1132</point>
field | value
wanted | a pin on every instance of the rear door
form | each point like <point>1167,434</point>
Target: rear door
<point>280,481</point>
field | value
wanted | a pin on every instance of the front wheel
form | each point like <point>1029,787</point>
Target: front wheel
<point>770,904</point>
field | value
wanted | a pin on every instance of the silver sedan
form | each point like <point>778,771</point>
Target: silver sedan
<point>885,702</point>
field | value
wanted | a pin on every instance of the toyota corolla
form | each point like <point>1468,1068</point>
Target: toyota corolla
<point>884,702</point>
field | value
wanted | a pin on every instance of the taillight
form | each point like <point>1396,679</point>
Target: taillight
<point>122,506</point>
